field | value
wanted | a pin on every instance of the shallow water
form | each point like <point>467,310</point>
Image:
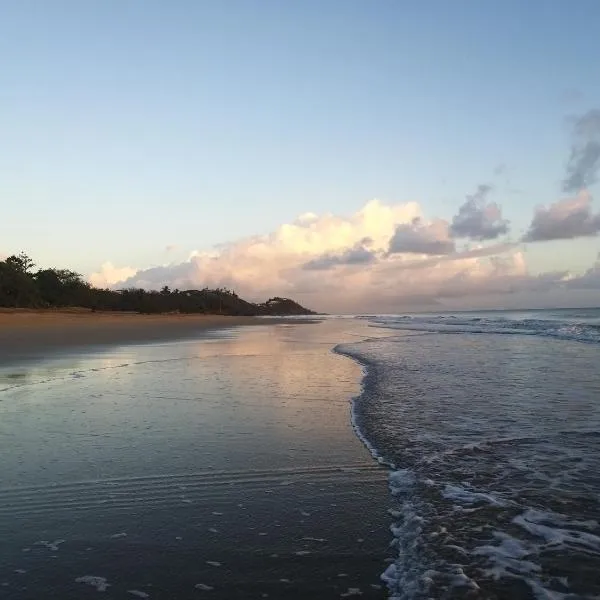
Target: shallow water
<point>225,465</point>
<point>493,440</point>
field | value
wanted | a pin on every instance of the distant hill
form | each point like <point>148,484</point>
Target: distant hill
<point>23,287</point>
<point>282,306</point>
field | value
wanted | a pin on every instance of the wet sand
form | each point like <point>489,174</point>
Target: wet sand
<point>38,334</point>
<point>223,467</point>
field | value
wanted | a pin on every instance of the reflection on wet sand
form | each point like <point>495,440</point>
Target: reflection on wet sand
<point>227,464</point>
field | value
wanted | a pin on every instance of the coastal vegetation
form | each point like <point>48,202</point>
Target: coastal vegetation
<point>22,286</point>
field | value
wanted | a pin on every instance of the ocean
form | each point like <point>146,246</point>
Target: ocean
<point>490,425</point>
<point>404,457</point>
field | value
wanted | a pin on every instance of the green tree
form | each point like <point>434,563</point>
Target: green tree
<point>17,287</point>
<point>20,262</point>
<point>62,287</point>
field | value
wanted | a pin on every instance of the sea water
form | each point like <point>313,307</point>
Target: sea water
<point>489,424</point>
<point>227,466</point>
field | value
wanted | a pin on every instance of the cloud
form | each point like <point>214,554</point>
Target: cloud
<point>343,264</point>
<point>171,247</point>
<point>431,261</point>
<point>584,162</point>
<point>566,219</point>
<point>359,254</point>
<point>461,280</point>
<point>589,280</point>
<point>261,265</point>
<point>478,219</point>
<point>418,237</point>
<point>109,275</point>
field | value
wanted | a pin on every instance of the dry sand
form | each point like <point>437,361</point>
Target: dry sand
<point>37,334</point>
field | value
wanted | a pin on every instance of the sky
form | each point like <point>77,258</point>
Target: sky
<point>357,156</point>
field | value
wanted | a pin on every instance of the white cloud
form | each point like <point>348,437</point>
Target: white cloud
<point>109,275</point>
<point>357,272</point>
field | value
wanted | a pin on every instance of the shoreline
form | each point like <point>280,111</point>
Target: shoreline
<point>221,462</point>
<point>34,334</point>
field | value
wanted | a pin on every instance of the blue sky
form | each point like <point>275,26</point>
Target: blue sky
<point>128,126</point>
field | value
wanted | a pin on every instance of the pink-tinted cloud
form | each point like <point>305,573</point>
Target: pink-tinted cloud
<point>109,275</point>
<point>566,219</point>
<point>355,273</point>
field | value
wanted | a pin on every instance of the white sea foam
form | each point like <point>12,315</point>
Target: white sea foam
<point>100,583</point>
<point>401,481</point>
<point>558,532</point>
<point>351,591</point>
<point>458,493</point>
<point>50,545</point>
<point>478,440</point>
<point>578,328</point>
<point>138,593</point>
<point>204,587</point>
<point>345,351</point>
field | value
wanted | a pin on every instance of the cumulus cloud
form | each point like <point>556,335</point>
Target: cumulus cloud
<point>359,254</point>
<point>458,280</point>
<point>584,162</point>
<point>109,275</point>
<point>566,219</point>
<point>418,237</point>
<point>391,257</point>
<point>478,219</point>
<point>261,265</point>
<point>343,264</point>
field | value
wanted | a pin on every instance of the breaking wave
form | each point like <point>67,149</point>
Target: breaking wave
<point>581,326</point>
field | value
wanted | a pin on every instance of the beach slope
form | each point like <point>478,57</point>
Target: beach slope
<point>30,334</point>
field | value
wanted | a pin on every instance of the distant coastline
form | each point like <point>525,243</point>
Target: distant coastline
<point>21,286</point>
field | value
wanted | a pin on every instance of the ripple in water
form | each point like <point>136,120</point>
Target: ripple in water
<point>493,445</point>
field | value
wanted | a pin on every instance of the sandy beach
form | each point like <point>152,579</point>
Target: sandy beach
<point>212,467</point>
<point>34,334</point>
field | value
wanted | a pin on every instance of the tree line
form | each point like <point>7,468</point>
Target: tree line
<point>22,286</point>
